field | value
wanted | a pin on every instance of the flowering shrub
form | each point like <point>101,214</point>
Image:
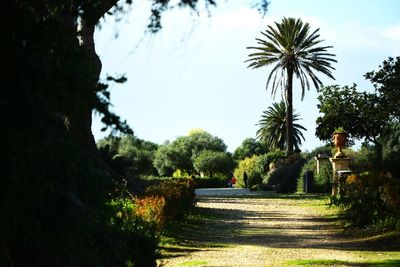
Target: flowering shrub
<point>132,234</point>
<point>178,195</point>
<point>151,209</point>
<point>369,197</point>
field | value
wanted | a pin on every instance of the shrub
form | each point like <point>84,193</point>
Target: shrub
<point>363,160</point>
<point>248,165</point>
<point>151,209</point>
<point>369,197</point>
<point>310,166</point>
<point>321,182</point>
<point>54,209</point>
<point>284,178</point>
<point>177,193</point>
<point>133,237</point>
<point>263,161</point>
<point>257,168</point>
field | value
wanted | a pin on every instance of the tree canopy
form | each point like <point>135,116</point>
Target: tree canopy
<point>181,153</point>
<point>371,117</point>
<point>248,148</point>
<point>128,155</point>
<point>386,81</point>
<point>214,162</point>
<point>361,114</point>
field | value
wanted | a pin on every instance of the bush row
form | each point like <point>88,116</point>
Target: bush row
<point>138,219</point>
<point>199,182</point>
<point>178,195</point>
<point>370,198</point>
<point>257,168</point>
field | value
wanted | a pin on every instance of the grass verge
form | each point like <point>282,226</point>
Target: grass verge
<point>378,263</point>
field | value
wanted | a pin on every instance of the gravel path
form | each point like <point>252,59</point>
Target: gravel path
<point>268,232</point>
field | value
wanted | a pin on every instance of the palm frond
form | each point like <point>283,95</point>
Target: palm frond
<point>272,127</point>
<point>291,43</point>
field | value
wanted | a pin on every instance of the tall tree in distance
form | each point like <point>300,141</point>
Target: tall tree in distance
<point>248,148</point>
<point>272,129</point>
<point>292,49</point>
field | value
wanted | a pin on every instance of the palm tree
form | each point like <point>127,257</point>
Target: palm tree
<point>293,49</point>
<point>273,127</point>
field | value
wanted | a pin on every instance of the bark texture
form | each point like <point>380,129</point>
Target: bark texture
<point>289,112</point>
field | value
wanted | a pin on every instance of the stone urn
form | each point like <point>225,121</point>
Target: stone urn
<point>339,140</point>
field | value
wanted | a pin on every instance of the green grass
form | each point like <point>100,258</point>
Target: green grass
<point>193,263</point>
<point>378,263</point>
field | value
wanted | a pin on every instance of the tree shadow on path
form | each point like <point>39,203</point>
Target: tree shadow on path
<point>272,223</point>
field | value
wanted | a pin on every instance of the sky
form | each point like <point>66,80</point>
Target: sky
<point>192,73</point>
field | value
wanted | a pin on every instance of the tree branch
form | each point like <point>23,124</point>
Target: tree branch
<point>94,11</point>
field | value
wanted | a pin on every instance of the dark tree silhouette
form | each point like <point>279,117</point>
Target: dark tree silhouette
<point>54,190</point>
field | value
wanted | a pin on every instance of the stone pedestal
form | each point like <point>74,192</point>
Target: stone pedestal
<point>338,164</point>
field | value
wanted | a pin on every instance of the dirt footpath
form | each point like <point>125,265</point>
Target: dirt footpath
<point>271,232</point>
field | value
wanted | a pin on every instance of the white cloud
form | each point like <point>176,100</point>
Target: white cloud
<point>392,32</point>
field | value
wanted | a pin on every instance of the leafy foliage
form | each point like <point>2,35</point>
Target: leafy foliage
<point>364,115</point>
<point>128,155</point>
<point>136,236</point>
<point>177,193</point>
<point>369,198</point>
<point>321,181</point>
<point>257,168</point>
<point>291,46</point>
<point>371,195</point>
<point>360,113</point>
<point>151,210</point>
<point>248,148</point>
<point>284,178</point>
<point>391,150</point>
<point>386,81</point>
<point>272,129</point>
<point>264,161</point>
<point>181,153</point>
<point>212,162</point>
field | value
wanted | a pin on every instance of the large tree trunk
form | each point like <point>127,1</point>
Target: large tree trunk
<point>80,123</point>
<point>289,111</point>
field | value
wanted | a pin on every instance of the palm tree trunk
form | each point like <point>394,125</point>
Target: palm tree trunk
<point>289,110</point>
